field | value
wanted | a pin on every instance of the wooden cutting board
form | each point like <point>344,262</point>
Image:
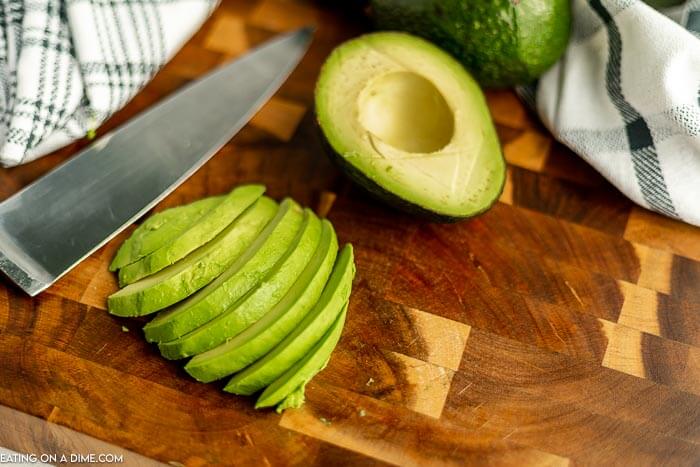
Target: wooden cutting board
<point>561,326</point>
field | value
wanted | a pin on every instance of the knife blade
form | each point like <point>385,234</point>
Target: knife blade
<point>57,221</point>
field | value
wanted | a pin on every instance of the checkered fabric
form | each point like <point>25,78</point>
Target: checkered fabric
<point>626,97</point>
<point>67,65</point>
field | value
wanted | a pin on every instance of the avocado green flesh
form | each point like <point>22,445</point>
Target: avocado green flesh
<point>303,240</point>
<point>201,232</point>
<point>276,324</point>
<point>159,229</point>
<point>305,336</point>
<point>293,401</point>
<point>293,381</point>
<point>243,275</point>
<point>502,42</point>
<point>188,275</point>
<point>410,123</point>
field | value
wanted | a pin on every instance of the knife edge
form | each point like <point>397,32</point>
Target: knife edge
<point>31,272</point>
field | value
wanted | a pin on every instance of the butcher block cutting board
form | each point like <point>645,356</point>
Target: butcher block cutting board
<point>561,327</point>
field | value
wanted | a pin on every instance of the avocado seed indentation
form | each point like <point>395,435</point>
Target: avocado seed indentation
<point>406,111</point>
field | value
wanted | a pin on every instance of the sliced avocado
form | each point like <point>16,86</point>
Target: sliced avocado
<point>502,42</point>
<point>408,123</point>
<point>199,233</point>
<point>288,389</point>
<point>259,300</point>
<point>292,401</point>
<point>242,276</point>
<point>160,229</point>
<point>276,324</point>
<point>305,336</point>
<point>197,269</point>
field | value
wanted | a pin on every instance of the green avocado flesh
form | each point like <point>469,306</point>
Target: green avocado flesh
<point>502,42</point>
<point>262,301</point>
<point>276,324</point>
<point>199,233</point>
<point>193,272</point>
<point>292,382</point>
<point>407,122</point>
<point>303,240</point>
<point>160,229</point>
<point>243,275</point>
<point>297,344</point>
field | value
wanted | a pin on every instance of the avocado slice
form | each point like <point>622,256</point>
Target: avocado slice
<point>288,389</point>
<point>243,275</point>
<point>160,229</point>
<point>297,344</point>
<point>502,42</point>
<point>408,123</point>
<point>258,301</point>
<point>199,233</point>
<point>276,324</point>
<point>197,269</point>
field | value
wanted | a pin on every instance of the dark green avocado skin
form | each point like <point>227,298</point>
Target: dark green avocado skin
<point>502,42</point>
<point>385,196</point>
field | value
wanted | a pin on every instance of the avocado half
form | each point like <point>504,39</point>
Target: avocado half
<point>407,122</point>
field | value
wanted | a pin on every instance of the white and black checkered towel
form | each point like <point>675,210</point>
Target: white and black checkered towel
<point>626,98</point>
<point>67,65</point>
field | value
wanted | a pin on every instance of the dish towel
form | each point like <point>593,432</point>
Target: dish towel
<point>626,98</point>
<point>67,65</point>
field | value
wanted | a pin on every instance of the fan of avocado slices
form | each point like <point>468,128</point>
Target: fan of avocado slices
<point>250,289</point>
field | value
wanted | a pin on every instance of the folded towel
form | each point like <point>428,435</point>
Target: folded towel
<point>626,98</point>
<point>67,65</point>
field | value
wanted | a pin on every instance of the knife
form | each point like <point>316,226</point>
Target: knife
<point>57,221</point>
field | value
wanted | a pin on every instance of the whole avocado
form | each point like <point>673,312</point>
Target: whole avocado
<point>502,42</point>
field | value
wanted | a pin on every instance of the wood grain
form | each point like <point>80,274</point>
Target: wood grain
<point>561,327</point>
<point>27,434</point>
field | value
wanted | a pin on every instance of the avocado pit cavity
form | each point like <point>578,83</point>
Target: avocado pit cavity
<point>404,110</point>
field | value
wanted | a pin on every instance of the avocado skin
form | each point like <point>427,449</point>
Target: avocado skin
<point>663,3</point>
<point>381,194</point>
<point>502,42</point>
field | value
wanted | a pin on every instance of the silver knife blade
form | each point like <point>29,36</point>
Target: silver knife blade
<point>57,221</point>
